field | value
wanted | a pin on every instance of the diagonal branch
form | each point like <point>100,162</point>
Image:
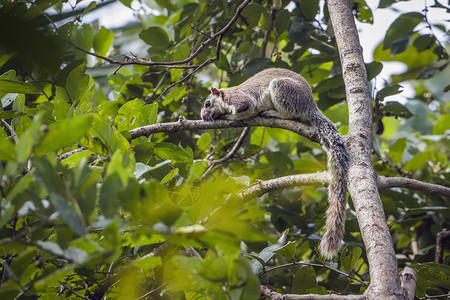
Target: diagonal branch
<point>230,155</point>
<point>11,130</point>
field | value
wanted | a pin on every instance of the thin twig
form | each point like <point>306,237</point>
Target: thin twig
<point>11,130</point>
<point>430,27</point>
<point>273,14</point>
<point>148,100</point>
<point>207,62</point>
<point>133,60</point>
<point>435,296</point>
<point>73,292</point>
<point>230,155</point>
<point>312,265</point>
<point>195,28</point>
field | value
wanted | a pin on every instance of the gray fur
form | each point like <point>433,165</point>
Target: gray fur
<point>284,94</point>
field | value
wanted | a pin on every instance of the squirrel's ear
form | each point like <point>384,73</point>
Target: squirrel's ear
<point>215,91</point>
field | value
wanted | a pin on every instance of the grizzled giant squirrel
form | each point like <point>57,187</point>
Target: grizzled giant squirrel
<point>284,94</point>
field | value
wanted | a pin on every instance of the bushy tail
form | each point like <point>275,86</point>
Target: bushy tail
<point>338,163</point>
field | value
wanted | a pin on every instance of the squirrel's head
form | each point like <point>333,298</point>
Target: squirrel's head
<point>212,108</point>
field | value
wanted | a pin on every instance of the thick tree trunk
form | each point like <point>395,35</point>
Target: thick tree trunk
<point>362,185</point>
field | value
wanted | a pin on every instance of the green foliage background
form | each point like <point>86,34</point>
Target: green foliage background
<point>129,219</point>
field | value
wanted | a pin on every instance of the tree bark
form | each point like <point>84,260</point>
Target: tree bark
<point>362,184</point>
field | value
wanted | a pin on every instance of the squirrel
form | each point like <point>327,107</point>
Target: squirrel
<point>284,94</point>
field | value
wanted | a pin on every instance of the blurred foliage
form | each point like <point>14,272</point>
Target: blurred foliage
<point>129,219</point>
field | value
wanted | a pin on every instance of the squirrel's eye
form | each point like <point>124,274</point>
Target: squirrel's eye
<point>207,103</point>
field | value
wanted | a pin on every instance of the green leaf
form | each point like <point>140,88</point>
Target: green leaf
<point>204,142</point>
<point>11,86</point>
<point>397,149</point>
<point>389,91</point>
<point>46,174</point>
<point>364,13</point>
<point>417,162</point>
<point>373,69</point>
<point>109,197</point>
<point>424,42</point>
<point>268,252</point>
<point>148,263</point>
<point>172,152</point>
<point>385,3</point>
<point>10,114</point>
<point>396,109</point>
<point>256,65</point>
<point>143,152</point>
<point>155,37</point>
<point>310,8</point>
<point>403,25</point>
<point>222,62</point>
<point>66,213</point>
<point>7,151</point>
<point>429,72</point>
<point>108,135</point>
<point>442,124</point>
<point>103,41</point>
<point>150,114</point>
<point>265,21</point>
<point>63,134</point>
<point>304,281</point>
<point>439,274</point>
<point>288,250</point>
<point>129,115</point>
<point>350,256</point>
<point>298,30</point>
<point>22,262</point>
<point>170,176</point>
<point>89,8</point>
<point>282,21</point>
<point>83,187</point>
<point>401,44</point>
<point>122,163</point>
<point>280,161</point>
<point>77,82</point>
<point>253,12</point>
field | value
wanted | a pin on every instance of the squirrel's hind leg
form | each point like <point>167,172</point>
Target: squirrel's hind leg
<point>291,99</point>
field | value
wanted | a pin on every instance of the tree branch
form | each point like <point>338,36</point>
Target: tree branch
<point>135,61</point>
<point>429,188</point>
<point>408,280</point>
<point>184,124</point>
<point>265,291</point>
<point>442,237</point>
<point>265,186</point>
